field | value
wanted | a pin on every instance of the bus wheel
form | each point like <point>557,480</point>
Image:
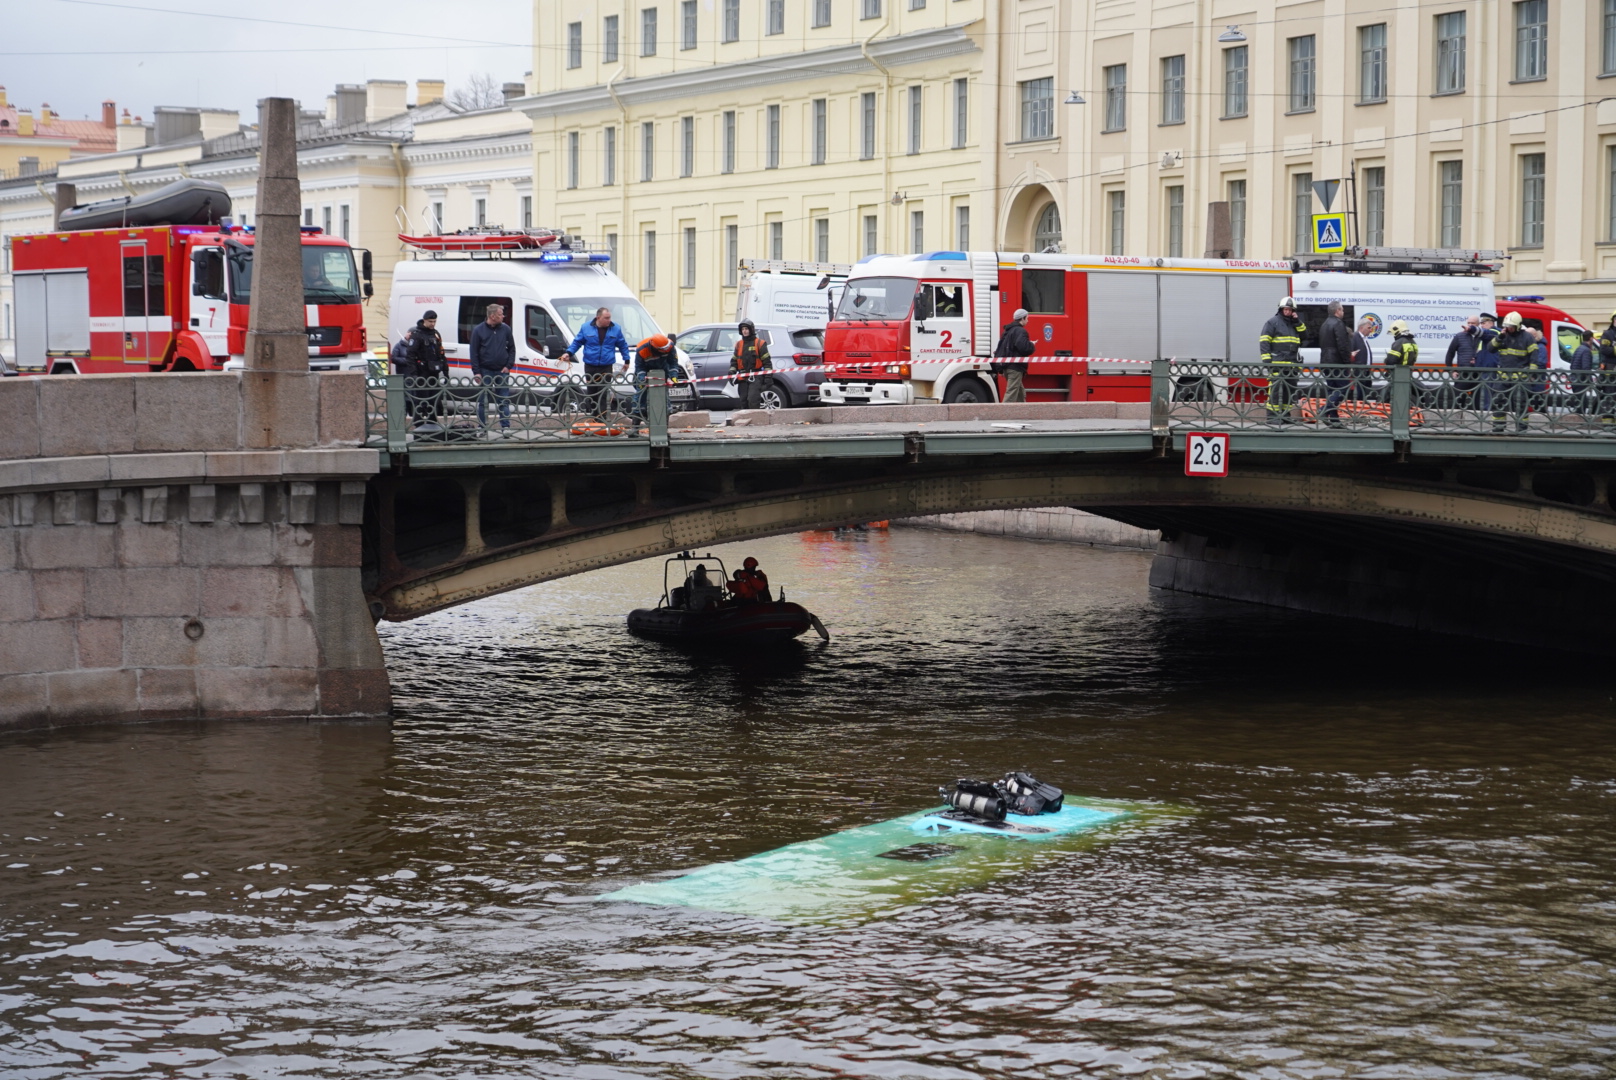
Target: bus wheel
<point>967,391</point>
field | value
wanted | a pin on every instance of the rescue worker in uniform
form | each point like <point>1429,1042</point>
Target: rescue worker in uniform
<point>1280,344</point>
<point>750,360</point>
<point>655,353</point>
<point>751,585</point>
<point>1516,350</point>
<point>1405,350</point>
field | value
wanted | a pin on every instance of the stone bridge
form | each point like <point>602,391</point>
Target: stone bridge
<point>158,559</point>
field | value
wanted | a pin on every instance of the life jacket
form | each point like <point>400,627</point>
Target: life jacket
<point>751,354</point>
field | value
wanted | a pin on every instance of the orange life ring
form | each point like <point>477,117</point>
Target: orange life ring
<point>594,427</point>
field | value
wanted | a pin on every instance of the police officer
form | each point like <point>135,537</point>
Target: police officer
<point>424,359</point>
<point>749,362</point>
<point>1280,345</point>
<point>1516,350</point>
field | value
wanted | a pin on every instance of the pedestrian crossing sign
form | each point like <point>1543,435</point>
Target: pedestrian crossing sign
<point>1329,233</point>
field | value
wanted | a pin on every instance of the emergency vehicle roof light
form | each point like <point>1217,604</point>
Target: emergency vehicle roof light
<point>1525,299</point>
<point>944,256</point>
<point>310,228</point>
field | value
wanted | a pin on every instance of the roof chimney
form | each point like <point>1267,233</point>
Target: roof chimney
<point>514,90</point>
<point>350,103</point>
<point>384,98</point>
<point>25,122</point>
<point>45,115</point>
<point>428,90</point>
<point>2,97</point>
<point>109,114</point>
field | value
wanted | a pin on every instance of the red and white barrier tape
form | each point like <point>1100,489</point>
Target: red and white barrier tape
<point>883,364</point>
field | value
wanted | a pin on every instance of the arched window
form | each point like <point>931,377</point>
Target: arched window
<point>1046,236</point>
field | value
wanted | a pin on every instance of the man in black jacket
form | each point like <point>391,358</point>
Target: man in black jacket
<point>493,352</point>
<point>425,362</point>
<point>1462,352</point>
<point>1015,343</point>
<point>1335,350</point>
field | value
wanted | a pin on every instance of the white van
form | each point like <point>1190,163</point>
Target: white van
<point>546,299</point>
<point>1434,306</point>
<point>789,292</point>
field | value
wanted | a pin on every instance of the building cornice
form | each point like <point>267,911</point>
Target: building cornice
<point>903,49</point>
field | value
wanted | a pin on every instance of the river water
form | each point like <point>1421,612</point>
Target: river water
<point>1387,855</point>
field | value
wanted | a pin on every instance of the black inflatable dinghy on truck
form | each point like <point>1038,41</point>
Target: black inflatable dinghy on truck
<point>184,202</point>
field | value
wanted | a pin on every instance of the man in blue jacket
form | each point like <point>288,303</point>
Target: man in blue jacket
<point>598,345</point>
<point>493,351</point>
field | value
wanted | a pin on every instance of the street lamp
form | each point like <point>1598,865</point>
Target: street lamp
<point>1074,98</point>
<point>1231,35</point>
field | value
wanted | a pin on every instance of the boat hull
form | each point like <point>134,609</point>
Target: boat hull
<point>742,623</point>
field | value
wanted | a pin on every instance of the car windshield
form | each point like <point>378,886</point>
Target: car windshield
<point>578,311</point>
<point>877,298</point>
<point>329,276</point>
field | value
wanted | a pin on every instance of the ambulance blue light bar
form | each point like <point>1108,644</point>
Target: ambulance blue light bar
<point>576,256</point>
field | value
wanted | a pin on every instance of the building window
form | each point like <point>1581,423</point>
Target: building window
<point>917,5</point>
<point>325,220</point>
<point>609,153</point>
<point>1303,73</point>
<point>819,107</point>
<point>1116,206</point>
<point>866,126</point>
<point>869,9</point>
<point>527,211</point>
<point>1372,63</point>
<point>1038,109</point>
<point>1610,187</point>
<point>822,240</point>
<point>1234,81</point>
<point>687,145</point>
<point>1116,97</point>
<point>728,164</point>
<point>650,260</point>
<point>1531,40</point>
<point>771,150</point>
<point>437,214</point>
<point>732,21</point>
<point>1607,65</point>
<point>648,32</point>
<point>1450,52</point>
<point>608,40</point>
<point>647,151</point>
<point>962,227</point>
<point>872,238</point>
<point>777,240</point>
<point>1532,200</point>
<point>687,24</point>
<point>308,217</point>
<point>689,275</point>
<point>1374,185</point>
<point>821,13</point>
<point>611,246</point>
<point>1452,234</point>
<point>575,45</point>
<point>917,231</point>
<point>776,22</point>
<point>962,110</point>
<point>479,212</point>
<point>732,255</point>
<point>1175,221</point>
<point>572,167</point>
<point>345,220</point>
<point>914,119</point>
<point>1237,218</point>
<point>1046,233</point>
<point>1301,212</point>
<point>1172,70</point>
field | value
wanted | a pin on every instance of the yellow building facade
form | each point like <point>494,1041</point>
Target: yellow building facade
<point>689,134</point>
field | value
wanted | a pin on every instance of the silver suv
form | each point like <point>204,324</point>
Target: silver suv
<point>711,345</point>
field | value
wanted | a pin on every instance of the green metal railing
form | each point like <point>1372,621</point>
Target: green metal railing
<point>405,411</point>
<point>1213,395</point>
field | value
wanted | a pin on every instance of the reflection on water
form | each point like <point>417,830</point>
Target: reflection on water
<point>1399,860</point>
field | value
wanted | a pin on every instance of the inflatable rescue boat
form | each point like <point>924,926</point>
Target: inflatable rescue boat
<point>698,612</point>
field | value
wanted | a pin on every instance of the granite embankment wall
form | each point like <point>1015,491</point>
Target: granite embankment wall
<point>161,558</point>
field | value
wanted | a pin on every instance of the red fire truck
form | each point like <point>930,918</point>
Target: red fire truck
<point>923,327</point>
<point>171,298</point>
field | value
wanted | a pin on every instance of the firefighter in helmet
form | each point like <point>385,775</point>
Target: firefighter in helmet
<point>749,363</point>
<point>1516,352</point>
<point>655,353</point>
<point>1280,344</point>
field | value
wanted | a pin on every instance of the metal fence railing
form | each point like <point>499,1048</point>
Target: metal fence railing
<point>404,410</point>
<point>1212,395</point>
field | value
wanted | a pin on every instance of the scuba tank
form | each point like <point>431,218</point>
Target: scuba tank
<point>976,798</point>
<point>1025,794</point>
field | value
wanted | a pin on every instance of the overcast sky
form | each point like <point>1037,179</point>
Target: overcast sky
<point>74,54</point>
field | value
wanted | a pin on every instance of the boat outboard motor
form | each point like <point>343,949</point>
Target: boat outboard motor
<point>1025,794</point>
<point>976,798</point>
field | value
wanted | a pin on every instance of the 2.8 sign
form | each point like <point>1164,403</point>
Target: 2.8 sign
<point>1206,454</point>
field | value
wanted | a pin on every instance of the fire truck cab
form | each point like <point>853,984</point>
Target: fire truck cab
<point>172,298</point>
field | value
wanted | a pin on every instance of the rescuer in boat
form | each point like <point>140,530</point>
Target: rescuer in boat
<point>750,585</point>
<point>698,593</point>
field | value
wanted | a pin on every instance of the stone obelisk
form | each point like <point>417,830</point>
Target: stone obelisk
<point>281,393</point>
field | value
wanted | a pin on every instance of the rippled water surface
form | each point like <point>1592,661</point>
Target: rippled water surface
<point>1394,859</point>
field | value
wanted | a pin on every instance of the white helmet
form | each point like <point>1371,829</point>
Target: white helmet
<point>1513,319</point>
<point>1288,302</point>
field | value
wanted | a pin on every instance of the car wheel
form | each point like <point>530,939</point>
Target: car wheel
<point>773,398</point>
<point>967,391</point>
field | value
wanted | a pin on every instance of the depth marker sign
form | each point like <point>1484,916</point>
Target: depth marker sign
<point>1206,454</point>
